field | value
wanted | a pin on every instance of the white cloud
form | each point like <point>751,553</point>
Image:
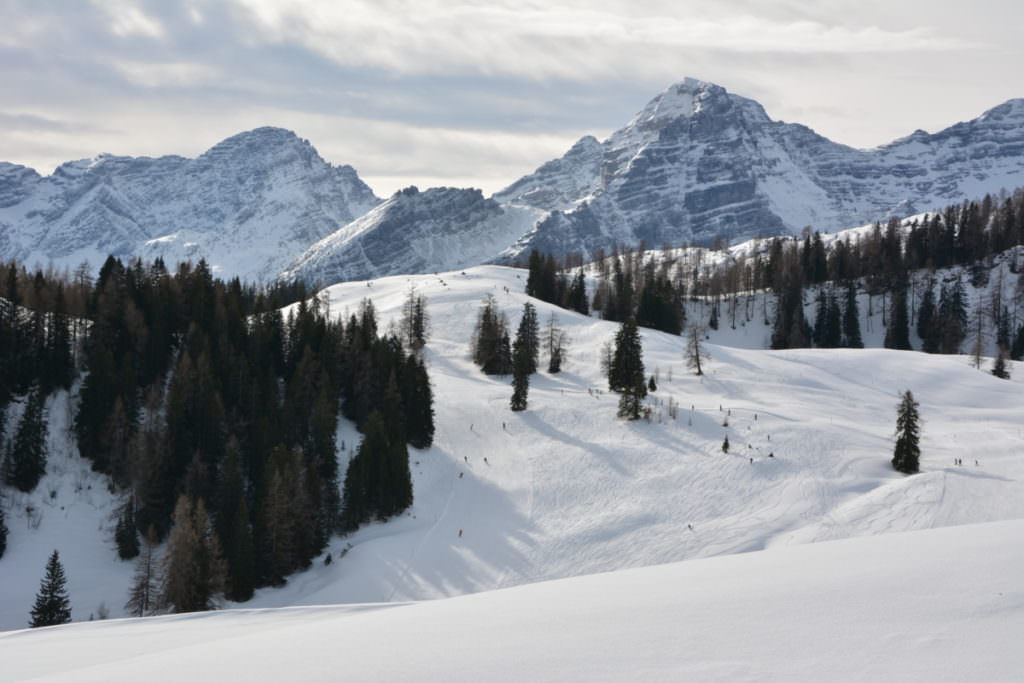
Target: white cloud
<point>128,19</point>
<point>167,74</point>
<point>552,40</point>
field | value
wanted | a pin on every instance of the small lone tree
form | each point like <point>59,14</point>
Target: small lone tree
<point>908,433</point>
<point>695,349</point>
<point>52,605</point>
<point>1000,369</point>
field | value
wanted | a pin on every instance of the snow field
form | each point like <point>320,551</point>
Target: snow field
<point>937,605</point>
<point>567,488</point>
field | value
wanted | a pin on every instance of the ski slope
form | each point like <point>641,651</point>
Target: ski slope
<point>566,488</point>
<point>937,605</point>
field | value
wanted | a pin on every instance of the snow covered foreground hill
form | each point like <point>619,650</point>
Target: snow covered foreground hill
<point>937,605</point>
<point>568,489</point>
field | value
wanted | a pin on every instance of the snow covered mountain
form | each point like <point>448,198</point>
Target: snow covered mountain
<point>699,162</point>
<point>696,163</point>
<point>247,205</point>
<point>441,228</point>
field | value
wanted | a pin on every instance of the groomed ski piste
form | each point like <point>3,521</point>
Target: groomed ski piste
<point>567,489</point>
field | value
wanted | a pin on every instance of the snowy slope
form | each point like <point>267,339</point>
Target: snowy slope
<point>247,205</point>
<point>699,162</point>
<point>439,229</point>
<point>936,605</point>
<point>568,489</point>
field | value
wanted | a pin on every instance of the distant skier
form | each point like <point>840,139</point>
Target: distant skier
<point>460,475</point>
<point>460,533</point>
<point>485,461</point>
<point>751,461</point>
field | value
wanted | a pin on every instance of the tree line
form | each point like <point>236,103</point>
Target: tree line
<point>215,416</point>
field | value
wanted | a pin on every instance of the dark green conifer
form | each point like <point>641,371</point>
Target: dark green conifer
<point>907,453</point>
<point>52,606</point>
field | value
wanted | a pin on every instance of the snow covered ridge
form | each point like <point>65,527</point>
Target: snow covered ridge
<point>247,205</point>
<point>699,162</point>
<point>936,605</point>
<point>696,163</point>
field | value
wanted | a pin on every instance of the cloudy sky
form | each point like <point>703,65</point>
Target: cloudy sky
<point>434,92</point>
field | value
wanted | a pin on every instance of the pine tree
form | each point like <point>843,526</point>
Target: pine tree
<point>414,322</point>
<point>27,457</point>
<point>142,600</point>
<point>52,605</point>
<point>907,453</point>
<point>851,319</point>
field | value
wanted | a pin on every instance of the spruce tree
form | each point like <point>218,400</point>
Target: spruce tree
<point>1000,368</point>
<point>27,457</point>
<point>927,323</point>
<point>578,294</point>
<point>52,605</point>
<point>627,365</point>
<point>897,334</point>
<point>851,319</point>
<point>907,453</point>
<point>126,535</point>
<point>520,369</point>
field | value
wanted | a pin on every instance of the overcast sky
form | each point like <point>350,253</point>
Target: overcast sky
<point>431,92</point>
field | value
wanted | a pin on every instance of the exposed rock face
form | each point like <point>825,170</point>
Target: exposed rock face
<point>247,205</point>
<point>695,164</point>
<point>699,163</point>
<point>415,232</point>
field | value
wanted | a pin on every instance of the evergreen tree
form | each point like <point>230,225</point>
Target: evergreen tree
<point>491,349</point>
<point>908,433</point>
<point>234,530</point>
<point>27,458</point>
<point>1000,368</point>
<point>418,400</point>
<point>3,528</point>
<point>627,365</point>
<point>626,374</point>
<point>142,599</point>
<point>851,319</point>
<point>1017,350</point>
<point>578,294</point>
<point>927,323</point>
<point>520,377</point>
<point>528,338</point>
<point>52,605</point>
<point>126,535</point>
<point>897,334</point>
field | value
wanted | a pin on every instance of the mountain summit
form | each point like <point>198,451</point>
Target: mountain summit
<point>698,163</point>
<point>247,205</point>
